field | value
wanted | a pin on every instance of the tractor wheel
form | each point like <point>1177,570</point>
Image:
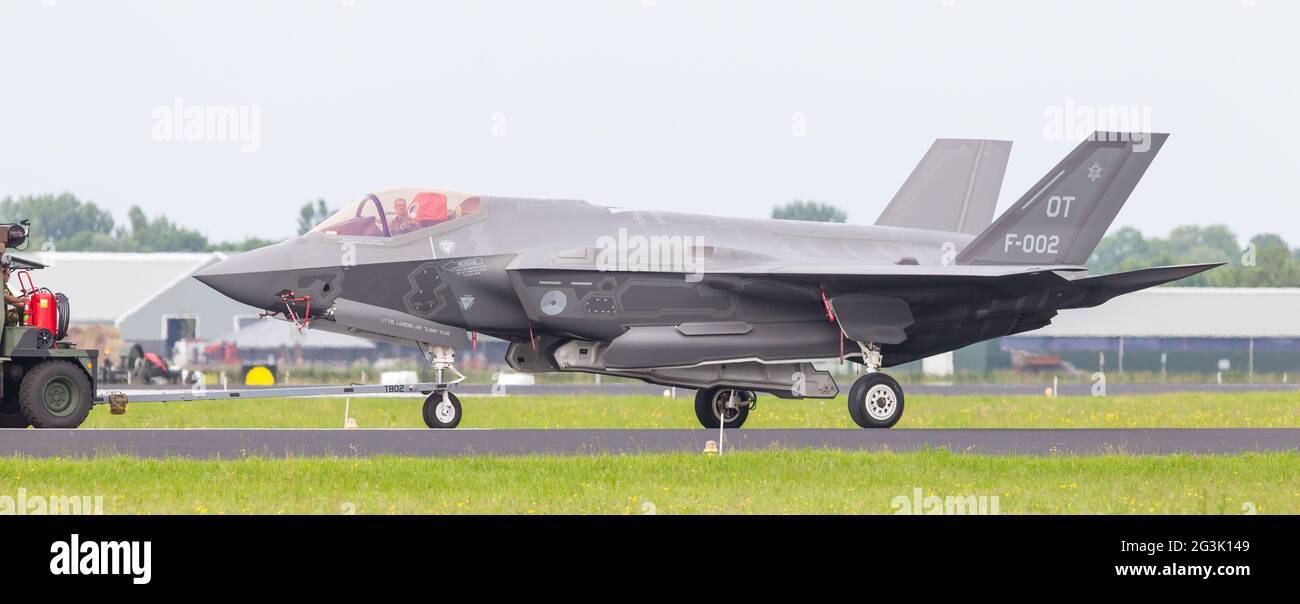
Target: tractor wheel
<point>10,415</point>
<point>55,394</point>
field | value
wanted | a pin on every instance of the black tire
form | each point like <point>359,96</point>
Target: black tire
<point>708,408</point>
<point>55,394</point>
<point>444,417</point>
<point>11,416</point>
<point>884,407</point>
<point>65,312</point>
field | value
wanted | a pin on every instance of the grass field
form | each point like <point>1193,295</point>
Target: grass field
<point>1186,410</point>
<point>753,482</point>
<point>767,482</point>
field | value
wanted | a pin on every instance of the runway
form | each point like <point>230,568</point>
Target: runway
<point>473,390</point>
<point>911,389</point>
<point>234,444</point>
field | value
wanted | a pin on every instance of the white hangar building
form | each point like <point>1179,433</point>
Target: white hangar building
<point>1192,328</point>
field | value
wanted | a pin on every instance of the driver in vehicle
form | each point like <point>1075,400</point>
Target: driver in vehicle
<point>402,222</point>
<point>14,305</point>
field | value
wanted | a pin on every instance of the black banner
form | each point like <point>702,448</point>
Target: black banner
<point>163,553</point>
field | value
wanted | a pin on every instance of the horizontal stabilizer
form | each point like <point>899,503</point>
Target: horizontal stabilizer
<point>1105,287</point>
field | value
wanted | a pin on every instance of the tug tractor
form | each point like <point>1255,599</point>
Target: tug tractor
<point>47,381</point>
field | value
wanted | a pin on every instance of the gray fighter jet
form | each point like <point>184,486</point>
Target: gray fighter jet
<point>730,307</point>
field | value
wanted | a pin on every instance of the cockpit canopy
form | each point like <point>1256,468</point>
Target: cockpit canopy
<point>396,212</point>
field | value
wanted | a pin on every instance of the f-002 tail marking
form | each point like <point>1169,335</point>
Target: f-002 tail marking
<point>1063,217</point>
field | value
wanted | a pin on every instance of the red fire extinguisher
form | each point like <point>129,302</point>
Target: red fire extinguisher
<point>43,311</point>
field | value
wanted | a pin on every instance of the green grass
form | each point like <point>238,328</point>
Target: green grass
<point>1185,410</point>
<point>808,481</point>
<point>762,482</point>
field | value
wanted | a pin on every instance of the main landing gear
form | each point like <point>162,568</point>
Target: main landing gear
<point>723,407</point>
<point>875,400</point>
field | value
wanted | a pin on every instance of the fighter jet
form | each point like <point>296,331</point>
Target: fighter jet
<point>731,307</point>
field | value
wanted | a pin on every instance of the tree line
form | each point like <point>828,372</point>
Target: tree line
<point>73,224</point>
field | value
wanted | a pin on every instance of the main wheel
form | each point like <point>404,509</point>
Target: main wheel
<point>442,413</point>
<point>726,406</point>
<point>876,401</point>
<point>55,394</point>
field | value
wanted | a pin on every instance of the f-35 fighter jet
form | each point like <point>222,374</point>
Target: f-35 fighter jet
<point>731,307</point>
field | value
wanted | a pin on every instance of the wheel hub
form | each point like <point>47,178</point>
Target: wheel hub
<point>445,411</point>
<point>726,404</point>
<point>59,397</point>
<point>881,402</point>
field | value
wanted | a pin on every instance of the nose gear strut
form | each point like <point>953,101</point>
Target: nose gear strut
<point>442,409</point>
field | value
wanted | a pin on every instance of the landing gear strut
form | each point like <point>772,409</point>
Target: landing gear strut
<point>723,407</point>
<point>442,409</point>
<point>875,400</point>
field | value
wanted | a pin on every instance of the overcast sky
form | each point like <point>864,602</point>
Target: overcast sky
<point>720,107</point>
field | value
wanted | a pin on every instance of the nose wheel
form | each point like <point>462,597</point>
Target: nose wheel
<point>442,410</point>
<point>876,401</point>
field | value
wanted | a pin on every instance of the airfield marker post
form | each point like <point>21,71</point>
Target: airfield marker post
<point>722,426</point>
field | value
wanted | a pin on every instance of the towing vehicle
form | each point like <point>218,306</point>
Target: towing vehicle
<point>48,382</point>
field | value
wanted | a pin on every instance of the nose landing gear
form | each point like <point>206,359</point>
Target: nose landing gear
<point>442,409</point>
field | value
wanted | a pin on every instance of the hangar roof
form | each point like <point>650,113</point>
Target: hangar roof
<point>106,287</point>
<point>1211,312</point>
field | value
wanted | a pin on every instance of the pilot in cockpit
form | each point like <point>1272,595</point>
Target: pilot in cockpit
<point>402,222</point>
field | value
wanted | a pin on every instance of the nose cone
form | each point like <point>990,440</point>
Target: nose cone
<point>253,278</point>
